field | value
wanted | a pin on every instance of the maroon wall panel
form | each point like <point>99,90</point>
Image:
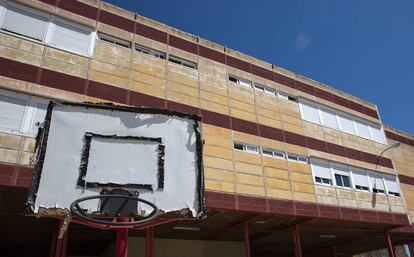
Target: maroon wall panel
<point>356,107</point>
<point>252,204</point>
<point>116,21</point>
<point>262,72</point>
<point>340,101</point>
<point>79,8</point>
<point>244,126</point>
<point>370,158</point>
<point>154,34</point>
<point>370,112</point>
<point>336,149</point>
<point>103,91</point>
<point>294,139</point>
<point>139,99</point>
<point>182,108</point>
<point>215,119</point>
<point>18,70</point>
<point>323,94</point>
<point>212,54</point>
<point>62,81</point>
<point>353,154</point>
<point>305,88</point>
<point>271,133</point>
<point>316,144</point>
<point>289,82</point>
<point>183,44</point>
<point>238,64</point>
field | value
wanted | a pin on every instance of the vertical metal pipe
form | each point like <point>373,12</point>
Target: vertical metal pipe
<point>122,240</point>
<point>296,240</point>
<point>390,247</point>
<point>246,239</point>
<point>149,242</point>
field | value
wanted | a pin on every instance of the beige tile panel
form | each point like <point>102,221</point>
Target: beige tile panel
<point>29,144</point>
<point>279,194</point>
<point>110,69</point>
<point>243,115</point>
<point>246,138</point>
<point>149,60</point>
<point>268,113</point>
<point>212,97</point>
<point>182,89</point>
<point>326,191</point>
<point>190,81</point>
<point>184,99</point>
<point>272,144</point>
<point>214,107</point>
<point>329,200</point>
<point>275,163</point>
<point>148,79</point>
<point>263,103</point>
<point>9,156</point>
<point>217,141</point>
<point>25,158</point>
<point>250,190</point>
<point>217,163</point>
<point>217,174</point>
<point>108,79</point>
<point>18,55</point>
<point>347,194</point>
<point>242,167</point>
<point>248,107</point>
<point>289,108</point>
<point>60,55</point>
<point>291,120</point>
<point>293,128</point>
<point>214,88</point>
<point>21,44</point>
<point>10,141</point>
<point>304,197</point>
<point>347,202</point>
<point>148,69</point>
<point>275,173</point>
<point>218,152</point>
<point>274,123</point>
<point>302,187</point>
<point>207,78</point>
<point>277,184</point>
<point>248,179</point>
<point>58,94</point>
<point>147,89</point>
<point>185,71</point>
<point>64,67</point>
<point>247,157</point>
<point>300,177</point>
<point>216,131</point>
<point>117,51</point>
<point>221,186</point>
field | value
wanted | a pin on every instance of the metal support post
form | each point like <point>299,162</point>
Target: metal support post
<point>149,242</point>
<point>296,241</point>
<point>390,247</point>
<point>122,240</point>
<point>246,239</point>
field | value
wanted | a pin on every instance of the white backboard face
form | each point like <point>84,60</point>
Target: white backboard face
<point>88,148</point>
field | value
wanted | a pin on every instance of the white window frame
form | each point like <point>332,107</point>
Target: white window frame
<point>182,62</point>
<point>240,81</point>
<point>297,158</point>
<point>49,30</point>
<point>286,96</point>
<point>151,51</point>
<point>264,89</point>
<point>247,148</point>
<point>353,118</point>
<point>114,40</point>
<point>29,112</point>
<point>273,153</point>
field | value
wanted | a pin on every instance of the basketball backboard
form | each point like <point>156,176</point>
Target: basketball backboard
<point>87,149</point>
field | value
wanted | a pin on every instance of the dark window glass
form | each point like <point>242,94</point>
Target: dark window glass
<point>338,180</point>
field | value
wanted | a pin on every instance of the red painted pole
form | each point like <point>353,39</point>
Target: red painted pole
<point>296,241</point>
<point>122,240</point>
<point>149,242</point>
<point>390,247</point>
<point>246,239</point>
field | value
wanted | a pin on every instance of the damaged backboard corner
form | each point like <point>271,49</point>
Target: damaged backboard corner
<point>107,147</point>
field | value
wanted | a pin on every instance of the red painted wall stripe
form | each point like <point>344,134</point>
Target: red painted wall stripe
<point>225,201</point>
<point>96,89</point>
<point>399,138</point>
<point>146,31</point>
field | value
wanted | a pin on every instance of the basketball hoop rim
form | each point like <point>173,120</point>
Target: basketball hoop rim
<point>78,212</point>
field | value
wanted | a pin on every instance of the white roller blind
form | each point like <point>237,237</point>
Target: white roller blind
<point>376,133</point>
<point>329,118</point>
<point>309,112</point>
<point>347,124</point>
<point>362,128</point>
<point>391,183</point>
<point>245,83</point>
<point>11,113</point>
<point>340,169</point>
<point>321,169</point>
<point>376,182</point>
<point>70,37</point>
<point>21,21</point>
<point>359,177</point>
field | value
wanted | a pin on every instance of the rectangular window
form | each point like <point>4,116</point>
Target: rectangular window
<point>264,89</point>
<point>392,186</point>
<point>286,96</point>
<point>360,179</point>
<point>50,30</point>
<point>240,81</point>
<point>246,148</point>
<point>20,113</point>
<point>341,175</point>
<point>25,21</point>
<point>180,61</point>
<point>321,172</point>
<point>377,184</point>
<point>273,153</point>
<point>338,120</point>
<point>150,51</point>
<point>297,158</point>
<point>71,37</point>
<point>114,40</point>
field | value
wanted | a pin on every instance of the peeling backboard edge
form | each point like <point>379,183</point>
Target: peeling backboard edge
<point>43,134</point>
<point>85,160</point>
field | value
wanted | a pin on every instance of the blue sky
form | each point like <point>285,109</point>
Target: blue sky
<point>364,48</point>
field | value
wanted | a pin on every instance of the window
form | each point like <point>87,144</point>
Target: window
<point>321,172</point>
<point>297,158</point>
<point>240,81</point>
<point>377,184</point>
<point>360,179</point>
<point>114,40</point>
<point>331,118</point>
<point>273,153</point>
<point>341,174</point>
<point>150,51</point>
<point>392,186</point>
<point>20,113</point>
<point>180,61</point>
<point>286,96</point>
<point>57,32</point>
<point>246,148</point>
<point>264,89</point>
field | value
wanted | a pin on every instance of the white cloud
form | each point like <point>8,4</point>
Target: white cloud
<point>303,40</point>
